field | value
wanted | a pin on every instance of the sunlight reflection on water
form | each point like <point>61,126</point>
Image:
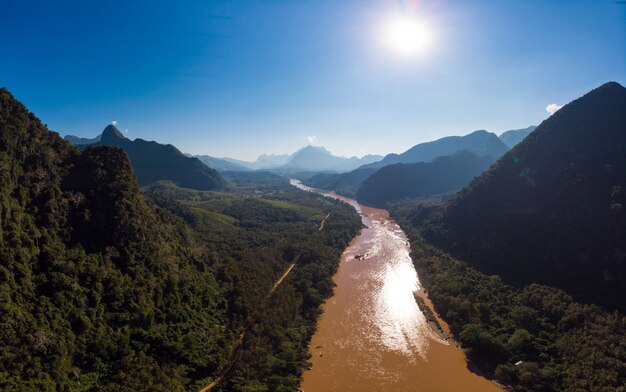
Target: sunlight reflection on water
<point>372,336</point>
<point>402,325</point>
<point>391,309</point>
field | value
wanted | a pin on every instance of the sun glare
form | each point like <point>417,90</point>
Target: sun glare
<point>406,36</point>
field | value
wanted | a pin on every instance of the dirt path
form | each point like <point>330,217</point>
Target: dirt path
<point>242,335</point>
<point>217,380</point>
<point>282,277</point>
<point>228,367</point>
<point>232,361</point>
<point>323,221</point>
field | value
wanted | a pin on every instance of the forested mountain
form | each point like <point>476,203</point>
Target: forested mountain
<point>343,183</point>
<point>98,287</point>
<point>514,136</point>
<point>531,338</point>
<point>479,142</point>
<point>220,165</point>
<point>103,287</point>
<point>551,210</point>
<point>409,180</point>
<point>153,162</point>
<point>80,141</point>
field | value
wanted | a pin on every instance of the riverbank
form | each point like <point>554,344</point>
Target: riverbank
<point>523,337</point>
<point>372,335</point>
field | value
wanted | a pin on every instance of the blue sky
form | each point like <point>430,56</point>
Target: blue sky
<point>241,78</point>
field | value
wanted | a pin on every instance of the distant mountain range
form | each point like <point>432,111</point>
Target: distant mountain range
<point>310,160</point>
<point>409,180</point>
<point>152,162</point>
<point>263,162</point>
<point>79,141</point>
<point>553,209</point>
<point>513,137</point>
<point>220,164</point>
<point>479,142</point>
<point>307,159</point>
<point>269,161</point>
<point>320,168</point>
<point>317,159</point>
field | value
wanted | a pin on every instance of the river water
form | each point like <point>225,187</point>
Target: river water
<point>372,335</point>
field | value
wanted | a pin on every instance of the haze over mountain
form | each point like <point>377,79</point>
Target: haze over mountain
<point>479,142</point>
<point>153,162</point>
<point>514,136</point>
<point>220,164</point>
<point>263,162</point>
<point>552,210</point>
<point>315,159</point>
<point>269,161</point>
<point>307,159</point>
<point>409,180</point>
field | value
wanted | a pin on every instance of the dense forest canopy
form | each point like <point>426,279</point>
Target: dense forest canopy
<point>530,338</point>
<point>107,287</point>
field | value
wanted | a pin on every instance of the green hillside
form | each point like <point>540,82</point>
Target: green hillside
<point>104,287</point>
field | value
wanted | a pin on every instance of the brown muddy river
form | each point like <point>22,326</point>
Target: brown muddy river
<point>372,335</point>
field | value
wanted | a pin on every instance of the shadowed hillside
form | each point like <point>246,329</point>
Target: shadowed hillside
<point>552,210</point>
<point>153,162</point>
<point>406,180</point>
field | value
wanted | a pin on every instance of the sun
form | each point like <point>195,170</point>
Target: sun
<point>406,35</point>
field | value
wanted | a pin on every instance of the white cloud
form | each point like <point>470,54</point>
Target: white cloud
<point>114,123</point>
<point>126,130</point>
<point>311,139</point>
<point>553,107</point>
